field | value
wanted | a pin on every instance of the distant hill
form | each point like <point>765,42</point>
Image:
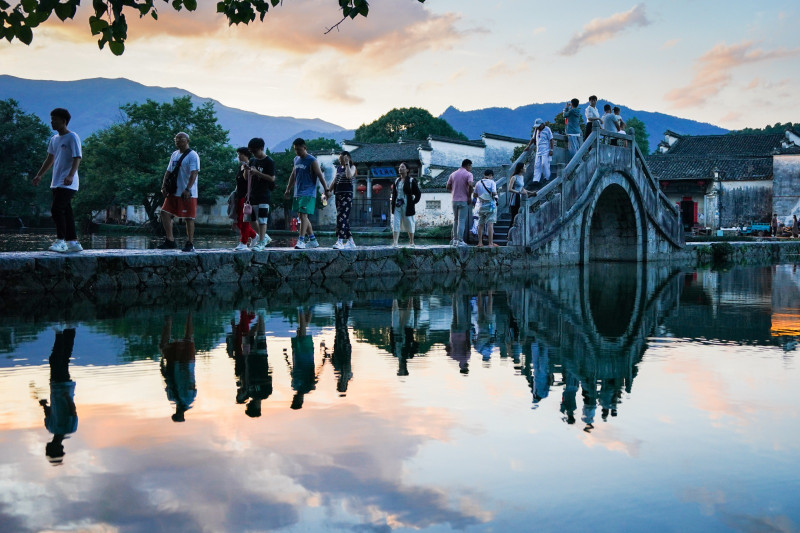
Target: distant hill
<point>94,104</point>
<point>337,136</point>
<point>517,122</point>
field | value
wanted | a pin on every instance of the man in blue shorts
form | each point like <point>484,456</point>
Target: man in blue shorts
<point>305,174</point>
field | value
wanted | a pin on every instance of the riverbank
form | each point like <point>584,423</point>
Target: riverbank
<point>94,271</point>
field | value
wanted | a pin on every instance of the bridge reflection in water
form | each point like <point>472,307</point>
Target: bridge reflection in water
<point>377,401</point>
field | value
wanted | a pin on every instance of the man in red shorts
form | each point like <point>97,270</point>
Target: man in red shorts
<point>183,202</point>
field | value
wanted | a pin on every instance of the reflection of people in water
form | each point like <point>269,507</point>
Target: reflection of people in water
<point>537,371</point>
<point>589,392</point>
<point>342,351</point>
<point>458,348</point>
<point>609,396</point>
<point>257,375</point>
<point>304,378</point>
<point>569,402</point>
<point>177,366</point>
<point>60,417</point>
<point>401,336</point>
<point>485,326</point>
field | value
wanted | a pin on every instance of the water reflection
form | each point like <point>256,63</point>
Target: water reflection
<point>177,366</point>
<point>61,415</point>
<point>397,405</point>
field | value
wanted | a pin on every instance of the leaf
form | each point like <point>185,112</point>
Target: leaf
<point>66,11</point>
<point>116,47</point>
<point>29,5</point>
<point>24,34</point>
<point>100,7</point>
<point>97,25</point>
<point>191,5</point>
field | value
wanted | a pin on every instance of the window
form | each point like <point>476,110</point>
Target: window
<point>433,205</point>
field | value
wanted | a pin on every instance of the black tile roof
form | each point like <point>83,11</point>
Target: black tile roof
<point>478,143</point>
<point>440,181</point>
<point>504,138</point>
<point>387,152</point>
<point>747,145</point>
<point>678,167</point>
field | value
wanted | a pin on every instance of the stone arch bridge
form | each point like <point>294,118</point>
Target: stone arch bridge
<point>604,205</point>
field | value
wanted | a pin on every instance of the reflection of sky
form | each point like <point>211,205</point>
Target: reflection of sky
<point>708,439</point>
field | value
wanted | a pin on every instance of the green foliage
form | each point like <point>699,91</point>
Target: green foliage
<point>408,123</point>
<point>640,130</point>
<point>517,152</point>
<point>321,144</point>
<point>558,125</point>
<point>776,128</point>
<point>108,21</point>
<point>125,163</point>
<point>23,147</point>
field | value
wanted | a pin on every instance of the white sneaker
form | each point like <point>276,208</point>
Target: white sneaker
<point>349,245</point>
<point>74,246</point>
<point>59,246</point>
<point>251,242</point>
<point>265,242</point>
<point>339,245</point>
<point>258,247</point>
<point>462,243</point>
<point>301,244</point>
<point>454,242</point>
<point>312,243</point>
<point>241,247</point>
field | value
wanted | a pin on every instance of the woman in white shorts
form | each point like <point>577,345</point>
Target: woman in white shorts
<point>405,196</point>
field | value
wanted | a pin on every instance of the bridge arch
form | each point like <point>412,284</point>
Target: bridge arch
<point>614,226</point>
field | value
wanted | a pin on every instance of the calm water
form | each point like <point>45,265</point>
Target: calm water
<point>609,398</point>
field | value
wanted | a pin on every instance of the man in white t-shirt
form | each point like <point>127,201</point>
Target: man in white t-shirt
<point>183,202</point>
<point>592,117</point>
<point>64,155</point>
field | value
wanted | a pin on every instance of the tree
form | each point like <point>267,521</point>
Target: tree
<point>321,144</point>
<point>108,20</point>
<point>125,163</point>
<point>408,123</point>
<point>640,130</point>
<point>776,128</point>
<point>23,147</point>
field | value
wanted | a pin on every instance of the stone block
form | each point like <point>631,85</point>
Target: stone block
<point>128,279</point>
<point>17,262</point>
<point>225,274</point>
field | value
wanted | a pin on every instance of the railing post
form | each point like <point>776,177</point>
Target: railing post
<point>632,133</point>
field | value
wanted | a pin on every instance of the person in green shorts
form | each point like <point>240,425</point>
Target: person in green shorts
<point>305,174</point>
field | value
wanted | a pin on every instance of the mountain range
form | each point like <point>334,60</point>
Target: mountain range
<point>94,104</point>
<point>518,122</point>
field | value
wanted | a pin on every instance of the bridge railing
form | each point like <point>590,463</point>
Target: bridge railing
<point>566,189</point>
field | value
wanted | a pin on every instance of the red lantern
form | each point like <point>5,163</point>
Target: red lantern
<point>362,188</point>
<point>377,188</point>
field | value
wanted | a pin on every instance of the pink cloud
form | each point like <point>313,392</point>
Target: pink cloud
<point>601,30</point>
<point>713,71</point>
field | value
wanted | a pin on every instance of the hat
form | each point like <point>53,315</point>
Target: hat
<point>538,122</point>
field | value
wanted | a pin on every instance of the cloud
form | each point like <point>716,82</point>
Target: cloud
<point>393,33</point>
<point>669,44</point>
<point>501,68</point>
<point>601,30</point>
<point>713,71</point>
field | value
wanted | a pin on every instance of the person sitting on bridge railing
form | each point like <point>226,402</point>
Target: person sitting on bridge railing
<point>545,143</point>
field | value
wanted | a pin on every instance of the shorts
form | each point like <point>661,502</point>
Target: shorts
<point>401,222</point>
<point>180,208</point>
<point>182,351</point>
<point>304,204</point>
<point>260,214</point>
<point>486,216</point>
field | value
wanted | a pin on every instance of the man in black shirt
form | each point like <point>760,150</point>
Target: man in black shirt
<point>262,175</point>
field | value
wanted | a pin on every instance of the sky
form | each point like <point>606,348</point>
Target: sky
<point>732,64</point>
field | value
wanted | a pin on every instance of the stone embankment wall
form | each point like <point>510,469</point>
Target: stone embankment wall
<point>111,270</point>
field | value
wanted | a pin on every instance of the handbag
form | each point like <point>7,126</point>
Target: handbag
<point>247,209</point>
<point>171,181</point>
